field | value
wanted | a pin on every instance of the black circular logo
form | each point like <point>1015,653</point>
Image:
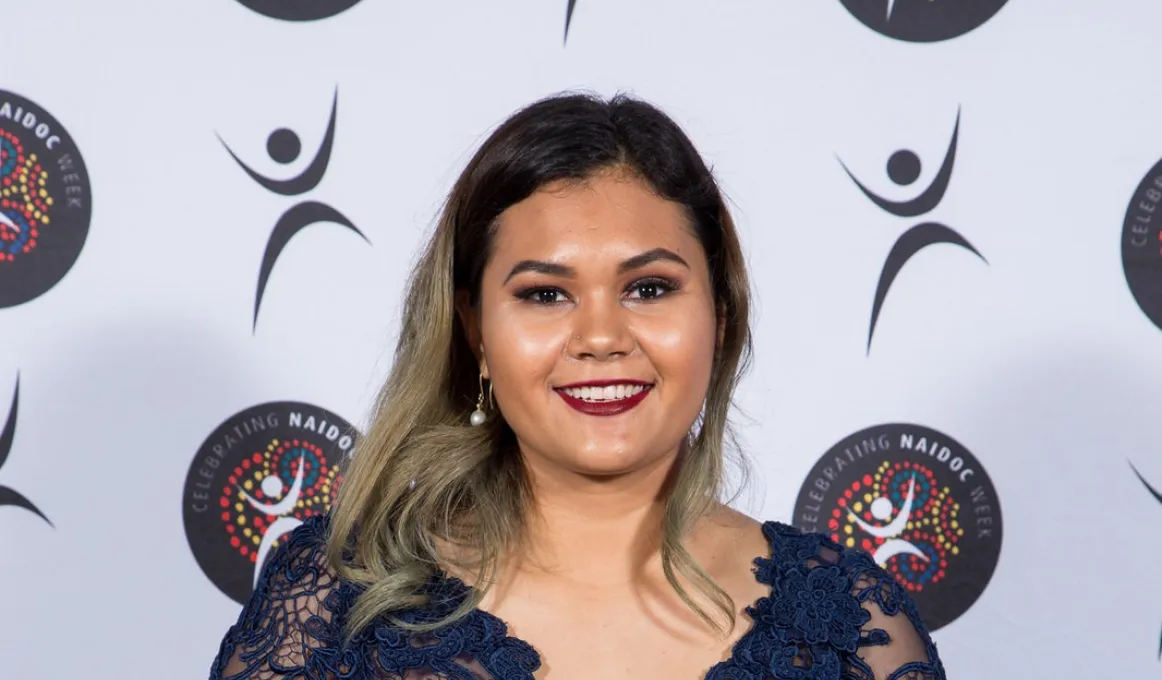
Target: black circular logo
<point>299,10</point>
<point>923,21</point>
<point>1142,245</point>
<point>917,501</point>
<point>256,478</point>
<point>44,201</point>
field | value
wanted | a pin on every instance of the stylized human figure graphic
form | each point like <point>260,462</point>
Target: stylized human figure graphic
<point>284,146</point>
<point>1158,497</point>
<point>904,169</point>
<point>272,486</point>
<point>881,509</point>
<point>9,496</point>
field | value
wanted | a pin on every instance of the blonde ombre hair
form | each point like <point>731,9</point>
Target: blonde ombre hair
<point>421,479</point>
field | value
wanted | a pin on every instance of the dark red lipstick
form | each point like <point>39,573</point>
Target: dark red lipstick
<point>611,407</point>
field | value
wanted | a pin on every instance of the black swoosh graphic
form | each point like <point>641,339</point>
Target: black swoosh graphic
<point>1158,497</point>
<point>569,17</point>
<point>931,196</point>
<point>9,432</point>
<point>11,497</point>
<point>292,222</point>
<point>911,242</point>
<point>311,176</point>
<point>1154,492</point>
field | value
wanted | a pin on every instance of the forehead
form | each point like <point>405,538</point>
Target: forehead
<point>613,213</point>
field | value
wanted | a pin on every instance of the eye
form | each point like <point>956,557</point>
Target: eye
<point>651,289</point>
<point>542,296</point>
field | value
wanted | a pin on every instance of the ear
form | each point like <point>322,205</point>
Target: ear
<point>470,321</point>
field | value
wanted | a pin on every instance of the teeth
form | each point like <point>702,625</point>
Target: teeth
<point>607,393</point>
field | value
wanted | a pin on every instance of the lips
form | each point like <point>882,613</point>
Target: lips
<point>604,397</point>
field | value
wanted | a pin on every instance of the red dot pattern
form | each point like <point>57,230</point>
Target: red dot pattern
<point>24,198</point>
<point>243,524</point>
<point>933,525</point>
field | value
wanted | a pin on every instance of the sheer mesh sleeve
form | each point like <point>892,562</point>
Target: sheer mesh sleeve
<point>897,644</point>
<point>292,627</point>
<point>285,628</point>
<point>832,614</point>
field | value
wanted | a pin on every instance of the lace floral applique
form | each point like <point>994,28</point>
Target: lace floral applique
<point>832,614</point>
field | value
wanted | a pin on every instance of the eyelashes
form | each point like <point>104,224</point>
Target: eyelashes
<point>642,290</point>
<point>659,287</point>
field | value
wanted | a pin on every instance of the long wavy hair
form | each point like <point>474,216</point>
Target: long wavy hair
<point>421,479</point>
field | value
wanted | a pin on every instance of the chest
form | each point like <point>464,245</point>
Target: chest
<point>584,655</point>
<point>639,636</point>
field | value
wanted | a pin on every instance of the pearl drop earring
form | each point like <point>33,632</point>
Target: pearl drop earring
<point>479,416</point>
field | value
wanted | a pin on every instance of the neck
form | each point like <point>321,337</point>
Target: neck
<point>594,530</point>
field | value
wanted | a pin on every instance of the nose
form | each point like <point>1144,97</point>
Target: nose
<point>600,330</point>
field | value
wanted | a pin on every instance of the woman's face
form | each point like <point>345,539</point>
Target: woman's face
<point>598,325</point>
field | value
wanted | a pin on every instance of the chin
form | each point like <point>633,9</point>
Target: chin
<point>611,462</point>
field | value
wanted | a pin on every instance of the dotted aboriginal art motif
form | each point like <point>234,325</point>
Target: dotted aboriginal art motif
<point>919,503</point>
<point>933,526</point>
<point>24,198</point>
<point>255,479</point>
<point>45,201</point>
<point>267,478</point>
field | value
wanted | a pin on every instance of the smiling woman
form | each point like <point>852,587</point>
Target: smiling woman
<point>585,289</point>
<point>597,299</point>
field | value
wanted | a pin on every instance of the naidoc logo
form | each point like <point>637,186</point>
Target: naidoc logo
<point>283,145</point>
<point>44,201</point>
<point>1142,245</point>
<point>923,21</point>
<point>903,168</point>
<point>256,478</point>
<point>919,503</point>
<point>1158,497</point>
<point>299,10</point>
<point>11,497</point>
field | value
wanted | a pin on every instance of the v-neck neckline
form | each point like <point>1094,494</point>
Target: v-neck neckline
<point>754,610</point>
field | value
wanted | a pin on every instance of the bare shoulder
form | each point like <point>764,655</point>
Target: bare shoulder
<point>738,533</point>
<point>726,544</point>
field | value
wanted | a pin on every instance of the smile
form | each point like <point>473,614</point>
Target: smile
<point>606,398</point>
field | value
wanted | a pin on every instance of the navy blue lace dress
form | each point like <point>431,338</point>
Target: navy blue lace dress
<point>832,614</point>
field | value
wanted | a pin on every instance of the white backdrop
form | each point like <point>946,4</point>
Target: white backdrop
<point>1039,361</point>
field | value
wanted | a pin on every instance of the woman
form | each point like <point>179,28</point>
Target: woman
<point>536,496</point>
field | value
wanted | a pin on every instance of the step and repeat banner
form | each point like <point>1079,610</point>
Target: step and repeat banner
<point>951,214</point>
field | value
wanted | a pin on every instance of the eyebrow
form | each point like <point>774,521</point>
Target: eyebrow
<point>565,271</point>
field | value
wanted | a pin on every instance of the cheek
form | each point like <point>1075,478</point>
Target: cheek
<point>680,346</point>
<point>521,348</point>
